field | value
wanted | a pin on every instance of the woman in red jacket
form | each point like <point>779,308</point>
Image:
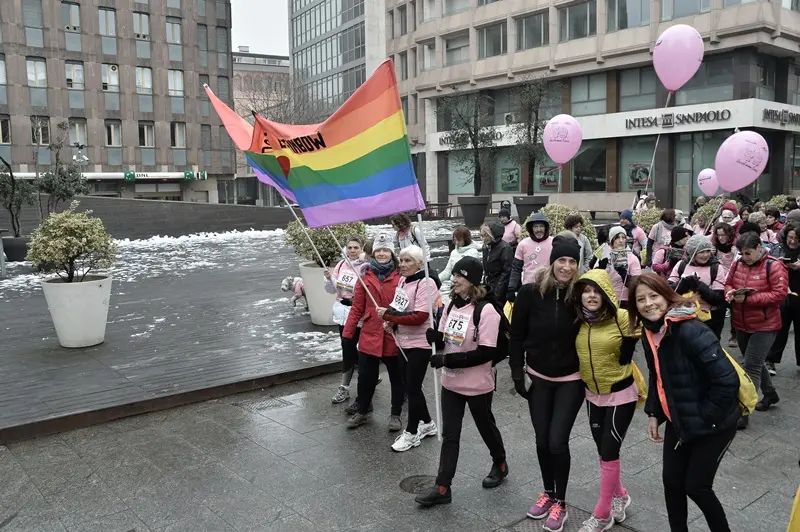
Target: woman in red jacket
<point>376,343</point>
<point>756,286</point>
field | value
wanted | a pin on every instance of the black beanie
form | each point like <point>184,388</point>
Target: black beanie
<point>470,269</point>
<point>749,227</point>
<point>504,212</point>
<point>679,233</point>
<point>565,247</point>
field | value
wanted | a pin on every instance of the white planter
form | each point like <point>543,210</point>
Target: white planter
<point>79,310</point>
<point>320,302</point>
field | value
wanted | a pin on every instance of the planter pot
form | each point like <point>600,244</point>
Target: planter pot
<point>527,205</point>
<point>16,248</point>
<point>474,209</point>
<point>320,302</point>
<point>79,310</point>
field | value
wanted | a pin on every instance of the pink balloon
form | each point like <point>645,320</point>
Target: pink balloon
<point>740,160</point>
<point>677,55</point>
<point>562,138</point>
<point>707,181</point>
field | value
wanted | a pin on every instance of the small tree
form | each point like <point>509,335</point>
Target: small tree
<point>65,181</point>
<point>327,246</point>
<point>471,130</point>
<point>532,99</point>
<point>14,194</point>
<point>72,244</point>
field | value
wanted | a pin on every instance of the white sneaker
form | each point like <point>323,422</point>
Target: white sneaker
<point>427,429</point>
<point>405,442</point>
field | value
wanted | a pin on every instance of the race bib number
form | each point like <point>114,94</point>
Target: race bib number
<point>400,301</point>
<point>346,282</point>
<point>456,328</point>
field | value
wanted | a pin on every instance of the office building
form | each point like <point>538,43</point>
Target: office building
<point>600,54</point>
<point>128,78</point>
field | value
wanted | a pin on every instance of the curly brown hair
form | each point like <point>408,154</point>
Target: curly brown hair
<point>572,220</point>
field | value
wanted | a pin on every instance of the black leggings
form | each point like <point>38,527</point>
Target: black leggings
<point>717,321</point>
<point>689,470</point>
<point>416,367</point>
<point>609,425</point>
<point>349,355</point>
<point>452,417</point>
<point>554,407</point>
<point>790,316</point>
<point>368,370</point>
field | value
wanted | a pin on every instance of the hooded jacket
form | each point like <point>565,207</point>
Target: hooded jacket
<point>374,339</point>
<point>470,250</point>
<point>760,311</point>
<point>531,253</point>
<point>605,348</point>
<point>497,258</point>
<point>637,238</point>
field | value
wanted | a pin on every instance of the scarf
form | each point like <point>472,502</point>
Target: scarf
<point>382,271</point>
<point>790,253</point>
<point>590,316</point>
<point>459,301</point>
<point>724,248</point>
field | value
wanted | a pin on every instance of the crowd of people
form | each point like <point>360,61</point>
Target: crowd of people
<point>569,318</point>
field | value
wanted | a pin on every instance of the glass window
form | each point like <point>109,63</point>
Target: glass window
<point>141,26</point>
<point>222,39</point>
<point>177,134</point>
<point>202,37</point>
<point>390,23</point>
<point>404,105</point>
<point>533,31</point>
<point>173,30</point>
<point>589,95</point>
<point>205,137</point>
<point>77,131</point>
<point>672,9</point>
<point>713,82</point>
<point>108,22</point>
<point>74,71</point>
<point>624,14</point>
<point>637,89</point>
<point>110,74</point>
<point>37,72</point>
<point>792,97</point>
<point>402,14</point>
<point>71,17</point>
<point>175,78</point>
<point>144,80</point>
<point>147,135</point>
<point>577,21</point>
<point>402,66</point>
<point>113,133</point>
<point>456,50</point>
<point>766,78</point>
<point>224,88</point>
<point>455,6</point>
<point>507,172</point>
<point>492,40</point>
<point>32,13</point>
<point>203,81</point>
<point>547,176</point>
<point>729,3</point>
<point>429,56</point>
<point>40,130</point>
<point>795,161</point>
<point>794,5</point>
<point>635,154</point>
<point>460,172</point>
<point>589,167</point>
<point>3,69</point>
<point>695,151</point>
<point>5,129</point>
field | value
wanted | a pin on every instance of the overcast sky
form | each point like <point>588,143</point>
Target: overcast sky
<point>263,25</point>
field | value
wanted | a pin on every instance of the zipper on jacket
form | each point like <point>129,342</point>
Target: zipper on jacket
<point>591,362</point>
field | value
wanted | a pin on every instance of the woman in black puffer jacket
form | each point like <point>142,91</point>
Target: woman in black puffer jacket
<point>694,389</point>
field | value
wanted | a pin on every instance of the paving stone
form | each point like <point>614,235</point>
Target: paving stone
<point>204,521</point>
<point>122,522</point>
<point>84,501</point>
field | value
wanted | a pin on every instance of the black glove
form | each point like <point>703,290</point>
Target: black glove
<point>687,284</point>
<point>430,335</point>
<point>437,361</point>
<point>511,297</point>
<point>622,271</point>
<point>592,263</point>
<point>347,302</point>
<point>673,261</point>
<point>519,387</point>
<point>603,264</point>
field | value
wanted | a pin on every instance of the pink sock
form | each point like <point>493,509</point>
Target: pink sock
<point>609,480</point>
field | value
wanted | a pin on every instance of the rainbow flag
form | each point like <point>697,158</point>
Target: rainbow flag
<point>354,166</point>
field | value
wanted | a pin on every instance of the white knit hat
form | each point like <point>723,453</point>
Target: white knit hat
<point>383,241</point>
<point>614,232</point>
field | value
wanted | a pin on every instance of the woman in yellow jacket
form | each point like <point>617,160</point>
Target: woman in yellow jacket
<point>605,349</point>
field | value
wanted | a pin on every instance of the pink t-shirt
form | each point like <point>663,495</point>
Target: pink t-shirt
<point>533,254</point>
<point>769,236</point>
<point>634,269</point>
<point>661,237</point>
<point>297,290</point>
<point>726,259</point>
<point>639,236</point>
<point>413,336</point>
<point>622,397</point>
<point>511,233</point>
<point>344,279</point>
<point>458,329</point>
<point>704,273</point>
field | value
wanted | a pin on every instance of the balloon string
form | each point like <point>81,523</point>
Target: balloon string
<point>650,176</point>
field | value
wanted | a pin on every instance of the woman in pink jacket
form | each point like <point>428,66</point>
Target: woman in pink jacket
<point>409,317</point>
<point>468,377</point>
<point>665,259</point>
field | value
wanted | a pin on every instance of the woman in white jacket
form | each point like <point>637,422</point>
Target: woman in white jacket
<point>342,282</point>
<point>465,247</point>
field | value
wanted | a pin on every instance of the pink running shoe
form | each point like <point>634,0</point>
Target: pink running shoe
<point>556,519</point>
<point>541,509</point>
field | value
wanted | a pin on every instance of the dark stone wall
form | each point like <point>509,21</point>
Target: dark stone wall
<point>133,218</point>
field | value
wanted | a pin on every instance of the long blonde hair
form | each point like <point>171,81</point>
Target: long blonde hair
<point>476,293</point>
<point>544,278</point>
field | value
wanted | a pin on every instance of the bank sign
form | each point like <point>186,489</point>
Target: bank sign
<point>667,120</point>
<point>783,117</point>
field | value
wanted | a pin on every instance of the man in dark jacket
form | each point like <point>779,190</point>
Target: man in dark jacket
<point>497,257</point>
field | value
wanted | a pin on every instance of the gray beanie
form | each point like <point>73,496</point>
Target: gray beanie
<point>614,232</point>
<point>696,244</point>
<point>793,215</point>
<point>383,241</point>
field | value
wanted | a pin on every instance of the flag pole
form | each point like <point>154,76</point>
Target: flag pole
<point>436,391</point>
<point>364,286</point>
<point>651,179</point>
<point>305,231</point>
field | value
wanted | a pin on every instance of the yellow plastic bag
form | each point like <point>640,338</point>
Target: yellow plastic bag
<point>794,518</point>
<point>641,385</point>
<point>748,396</point>
<point>702,314</point>
<point>508,310</point>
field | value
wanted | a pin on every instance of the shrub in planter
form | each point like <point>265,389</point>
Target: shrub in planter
<point>76,247</point>
<point>647,218</point>
<point>710,209</point>
<point>780,201</point>
<point>320,301</point>
<point>556,214</point>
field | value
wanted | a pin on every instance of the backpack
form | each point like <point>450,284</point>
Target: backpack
<point>748,396</point>
<point>714,270</point>
<point>503,331</point>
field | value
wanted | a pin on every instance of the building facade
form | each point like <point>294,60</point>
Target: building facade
<point>126,79</point>
<point>260,84</point>
<point>599,54</point>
